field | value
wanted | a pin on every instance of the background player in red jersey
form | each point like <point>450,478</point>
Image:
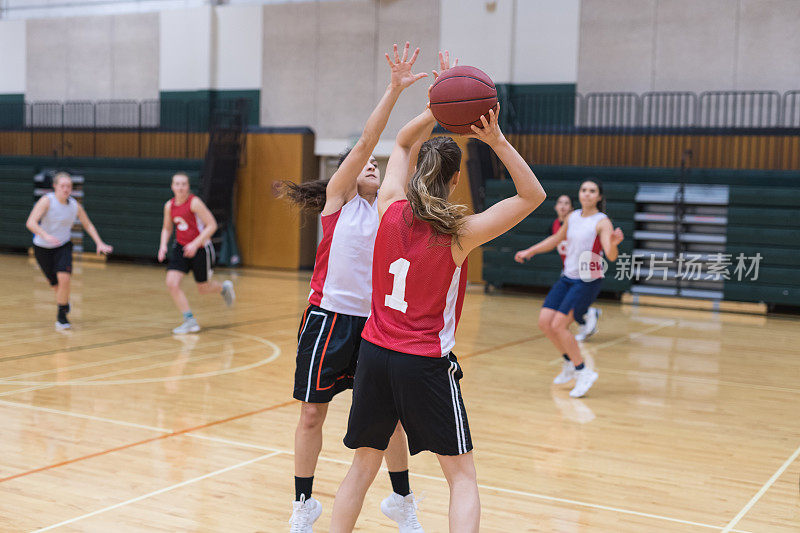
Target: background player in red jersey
<point>406,370</point>
<point>330,330</point>
<point>192,250</point>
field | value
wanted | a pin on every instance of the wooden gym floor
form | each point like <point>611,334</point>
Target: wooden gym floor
<point>119,426</point>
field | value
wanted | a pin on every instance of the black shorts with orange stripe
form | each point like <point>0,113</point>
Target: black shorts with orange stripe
<point>327,352</point>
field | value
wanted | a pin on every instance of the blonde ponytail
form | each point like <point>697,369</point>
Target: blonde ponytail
<point>429,188</point>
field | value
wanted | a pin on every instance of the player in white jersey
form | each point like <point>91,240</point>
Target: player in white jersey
<point>588,232</point>
<point>51,221</point>
<point>588,322</point>
<point>339,304</point>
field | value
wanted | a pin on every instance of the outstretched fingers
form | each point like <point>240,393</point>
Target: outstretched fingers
<point>405,51</point>
<point>414,57</point>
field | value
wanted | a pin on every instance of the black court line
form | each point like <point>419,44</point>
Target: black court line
<point>143,338</point>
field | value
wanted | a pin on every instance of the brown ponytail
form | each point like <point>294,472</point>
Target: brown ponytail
<point>438,161</point>
<point>309,196</point>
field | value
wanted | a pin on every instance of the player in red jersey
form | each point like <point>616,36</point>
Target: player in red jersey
<point>192,250</point>
<point>563,208</point>
<point>339,304</point>
<point>406,370</point>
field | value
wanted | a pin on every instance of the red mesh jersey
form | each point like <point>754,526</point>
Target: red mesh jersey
<point>187,226</point>
<point>417,289</point>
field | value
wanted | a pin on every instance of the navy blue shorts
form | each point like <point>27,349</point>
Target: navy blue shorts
<point>572,295</point>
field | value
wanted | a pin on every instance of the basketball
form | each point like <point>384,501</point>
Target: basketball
<point>460,96</point>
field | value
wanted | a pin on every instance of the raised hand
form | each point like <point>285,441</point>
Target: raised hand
<point>490,132</point>
<point>444,64</point>
<point>402,76</point>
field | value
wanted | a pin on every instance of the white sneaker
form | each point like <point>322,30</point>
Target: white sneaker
<point>61,326</point>
<point>403,510</point>
<point>189,325</point>
<point>589,327</point>
<point>584,379</point>
<point>567,373</point>
<point>304,514</point>
<point>228,294</point>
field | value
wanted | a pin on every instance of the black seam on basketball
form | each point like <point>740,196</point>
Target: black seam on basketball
<point>467,124</point>
<point>465,76</point>
<point>469,100</point>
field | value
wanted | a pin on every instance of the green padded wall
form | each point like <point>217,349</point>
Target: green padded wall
<point>123,197</point>
<point>499,267</point>
<point>765,220</point>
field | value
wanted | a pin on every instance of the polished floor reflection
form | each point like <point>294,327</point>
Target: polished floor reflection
<point>120,426</point>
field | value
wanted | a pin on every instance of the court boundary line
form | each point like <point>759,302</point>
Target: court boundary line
<point>88,380</point>
<point>487,487</point>
<point>159,491</point>
<point>141,339</point>
<point>170,434</point>
<point>623,338</point>
<point>763,490</point>
<point>278,451</point>
<point>102,362</point>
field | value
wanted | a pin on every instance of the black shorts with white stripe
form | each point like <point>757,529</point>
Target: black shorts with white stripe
<point>422,392</point>
<point>201,265</point>
<point>327,351</point>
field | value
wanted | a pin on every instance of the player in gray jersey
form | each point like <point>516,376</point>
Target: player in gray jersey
<point>51,221</point>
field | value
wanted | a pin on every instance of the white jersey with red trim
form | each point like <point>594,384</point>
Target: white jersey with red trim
<point>418,290</point>
<point>581,237</point>
<point>342,279</point>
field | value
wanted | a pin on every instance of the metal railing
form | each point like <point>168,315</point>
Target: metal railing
<point>150,128</point>
<point>719,110</point>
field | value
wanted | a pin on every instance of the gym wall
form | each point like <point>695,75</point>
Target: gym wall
<point>686,45</point>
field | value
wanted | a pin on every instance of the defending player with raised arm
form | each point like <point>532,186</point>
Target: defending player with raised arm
<point>406,369</point>
<point>330,329</point>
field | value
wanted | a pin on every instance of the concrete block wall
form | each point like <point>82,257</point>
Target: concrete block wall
<point>688,45</point>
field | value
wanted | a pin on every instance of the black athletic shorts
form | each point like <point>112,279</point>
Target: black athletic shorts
<point>422,392</point>
<point>327,351</point>
<point>201,265</point>
<point>54,260</point>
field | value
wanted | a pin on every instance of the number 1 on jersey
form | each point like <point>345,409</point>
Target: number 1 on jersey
<point>397,300</point>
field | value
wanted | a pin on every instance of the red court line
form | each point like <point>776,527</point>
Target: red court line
<point>145,441</point>
<point>498,347</point>
<point>229,419</point>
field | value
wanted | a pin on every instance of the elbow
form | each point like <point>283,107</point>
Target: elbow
<point>535,199</point>
<point>404,141</point>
